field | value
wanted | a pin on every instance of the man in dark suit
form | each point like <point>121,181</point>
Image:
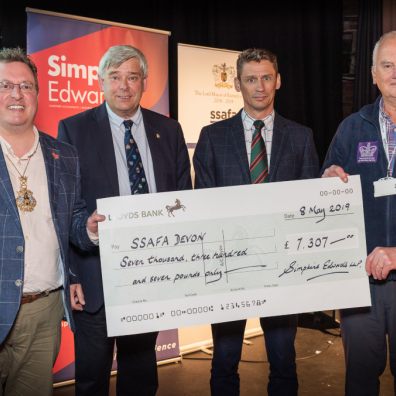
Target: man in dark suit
<point>162,164</point>
<point>224,156</point>
<point>40,210</point>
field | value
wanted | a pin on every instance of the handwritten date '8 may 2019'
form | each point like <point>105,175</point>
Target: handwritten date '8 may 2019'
<point>320,212</point>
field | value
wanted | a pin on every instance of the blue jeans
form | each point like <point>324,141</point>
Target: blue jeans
<point>279,335</point>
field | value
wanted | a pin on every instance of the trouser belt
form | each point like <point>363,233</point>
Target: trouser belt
<point>30,297</point>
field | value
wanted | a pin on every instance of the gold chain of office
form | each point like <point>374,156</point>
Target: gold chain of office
<point>25,200</point>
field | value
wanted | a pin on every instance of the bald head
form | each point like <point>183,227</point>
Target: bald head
<point>387,36</point>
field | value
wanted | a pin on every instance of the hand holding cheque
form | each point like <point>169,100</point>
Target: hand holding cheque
<point>190,257</point>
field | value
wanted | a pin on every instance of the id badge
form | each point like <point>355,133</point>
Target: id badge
<point>385,186</point>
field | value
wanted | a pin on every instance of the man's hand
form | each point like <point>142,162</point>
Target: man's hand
<point>92,222</point>
<point>380,262</point>
<point>77,297</point>
<point>336,171</point>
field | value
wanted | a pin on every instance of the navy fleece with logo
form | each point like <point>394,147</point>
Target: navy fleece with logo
<point>357,147</point>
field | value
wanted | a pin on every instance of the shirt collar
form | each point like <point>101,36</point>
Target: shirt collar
<point>31,152</point>
<point>117,120</point>
<point>383,113</point>
<point>248,120</point>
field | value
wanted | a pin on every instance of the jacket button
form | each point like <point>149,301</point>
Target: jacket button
<point>19,249</point>
<point>18,282</point>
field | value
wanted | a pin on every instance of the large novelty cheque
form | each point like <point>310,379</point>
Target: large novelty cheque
<point>183,258</point>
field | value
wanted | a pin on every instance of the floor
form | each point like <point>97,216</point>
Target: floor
<point>320,366</point>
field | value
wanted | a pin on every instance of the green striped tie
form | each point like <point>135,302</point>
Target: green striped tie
<point>258,156</point>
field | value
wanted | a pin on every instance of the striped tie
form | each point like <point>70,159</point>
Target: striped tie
<point>258,156</point>
<point>137,177</point>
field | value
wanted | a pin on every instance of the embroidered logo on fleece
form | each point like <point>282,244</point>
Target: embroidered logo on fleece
<point>367,152</point>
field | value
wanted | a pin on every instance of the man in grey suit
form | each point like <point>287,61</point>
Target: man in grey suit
<point>40,210</point>
<point>224,156</point>
<point>103,137</point>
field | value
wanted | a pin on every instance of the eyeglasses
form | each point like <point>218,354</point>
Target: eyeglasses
<point>25,87</point>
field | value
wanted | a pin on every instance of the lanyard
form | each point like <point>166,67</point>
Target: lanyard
<point>391,162</point>
<point>389,142</point>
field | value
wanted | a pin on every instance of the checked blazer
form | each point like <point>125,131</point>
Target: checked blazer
<point>69,216</point>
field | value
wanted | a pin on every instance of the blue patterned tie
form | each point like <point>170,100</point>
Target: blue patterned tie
<point>137,177</point>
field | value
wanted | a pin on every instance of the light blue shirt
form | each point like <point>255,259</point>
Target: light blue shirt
<point>139,134</point>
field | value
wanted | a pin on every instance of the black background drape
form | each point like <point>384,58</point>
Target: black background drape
<point>368,33</point>
<point>305,34</point>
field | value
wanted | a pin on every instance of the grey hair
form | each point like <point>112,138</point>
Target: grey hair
<point>257,55</point>
<point>118,54</point>
<point>391,34</point>
<point>8,55</point>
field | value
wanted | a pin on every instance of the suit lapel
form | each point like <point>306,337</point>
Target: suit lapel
<point>51,160</point>
<point>152,134</point>
<point>239,143</point>
<point>6,190</point>
<point>102,143</point>
<point>278,138</point>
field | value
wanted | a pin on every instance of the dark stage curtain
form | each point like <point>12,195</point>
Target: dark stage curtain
<point>369,31</point>
<point>306,35</point>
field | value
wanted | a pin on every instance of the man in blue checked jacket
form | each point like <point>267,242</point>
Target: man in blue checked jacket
<point>40,210</point>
